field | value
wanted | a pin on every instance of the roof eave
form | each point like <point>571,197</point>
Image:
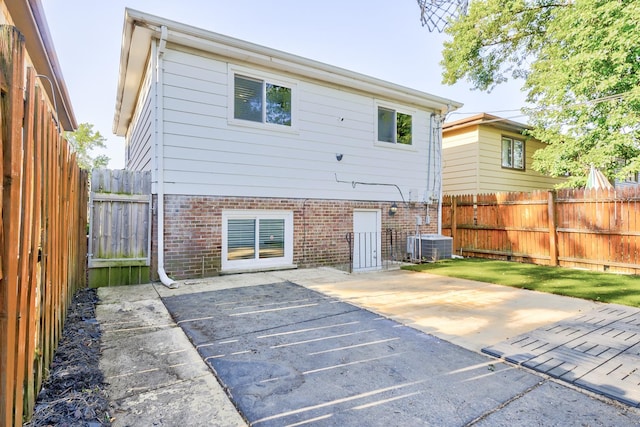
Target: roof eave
<point>247,52</point>
<point>488,120</point>
<point>28,16</point>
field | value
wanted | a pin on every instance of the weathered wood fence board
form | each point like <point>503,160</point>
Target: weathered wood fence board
<point>598,230</point>
<point>120,227</point>
<point>43,233</point>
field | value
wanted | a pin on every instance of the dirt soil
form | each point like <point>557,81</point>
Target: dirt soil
<point>74,393</point>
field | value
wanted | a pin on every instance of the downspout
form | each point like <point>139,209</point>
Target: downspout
<point>159,130</point>
<point>428,197</point>
<point>431,148</point>
<point>438,139</point>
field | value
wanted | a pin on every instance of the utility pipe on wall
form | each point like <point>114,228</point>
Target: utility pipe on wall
<point>159,138</point>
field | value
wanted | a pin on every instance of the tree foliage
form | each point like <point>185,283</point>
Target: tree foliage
<point>84,140</point>
<point>580,65</point>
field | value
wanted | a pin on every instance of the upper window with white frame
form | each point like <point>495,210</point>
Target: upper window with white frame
<point>513,153</point>
<point>261,100</point>
<point>395,127</point>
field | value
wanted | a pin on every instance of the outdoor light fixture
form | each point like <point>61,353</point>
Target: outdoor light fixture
<point>393,209</point>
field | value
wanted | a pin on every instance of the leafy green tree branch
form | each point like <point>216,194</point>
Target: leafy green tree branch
<point>84,140</point>
<point>580,65</point>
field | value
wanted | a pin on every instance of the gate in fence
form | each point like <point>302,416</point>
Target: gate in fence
<point>119,227</point>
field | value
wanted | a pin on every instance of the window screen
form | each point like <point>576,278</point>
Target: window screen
<point>513,153</point>
<point>404,128</point>
<point>386,125</point>
<point>241,239</point>
<point>248,99</point>
<point>271,238</point>
<point>278,104</point>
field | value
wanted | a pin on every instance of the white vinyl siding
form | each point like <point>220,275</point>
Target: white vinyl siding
<point>207,153</point>
<point>254,239</point>
<point>138,142</point>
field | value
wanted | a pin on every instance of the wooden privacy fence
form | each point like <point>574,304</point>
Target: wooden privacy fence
<point>598,230</point>
<point>120,227</point>
<point>43,234</point>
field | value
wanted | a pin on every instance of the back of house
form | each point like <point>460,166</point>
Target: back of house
<point>262,159</point>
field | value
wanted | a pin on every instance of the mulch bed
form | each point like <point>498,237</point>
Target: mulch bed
<point>74,393</point>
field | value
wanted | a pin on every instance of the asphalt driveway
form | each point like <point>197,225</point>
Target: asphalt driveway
<point>289,355</point>
<point>318,347</point>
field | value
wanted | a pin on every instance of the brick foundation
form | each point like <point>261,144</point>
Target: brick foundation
<point>193,229</point>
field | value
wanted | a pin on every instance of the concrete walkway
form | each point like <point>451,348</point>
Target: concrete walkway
<point>157,377</point>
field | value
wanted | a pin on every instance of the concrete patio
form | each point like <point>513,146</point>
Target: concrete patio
<point>157,375</point>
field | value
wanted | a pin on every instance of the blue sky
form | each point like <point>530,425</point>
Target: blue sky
<point>380,38</point>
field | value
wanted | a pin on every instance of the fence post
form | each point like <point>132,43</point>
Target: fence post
<point>12,50</point>
<point>553,237</point>
<point>454,223</point>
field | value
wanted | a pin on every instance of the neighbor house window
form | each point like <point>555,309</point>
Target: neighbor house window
<point>512,153</point>
<point>394,126</point>
<point>257,238</point>
<point>261,101</point>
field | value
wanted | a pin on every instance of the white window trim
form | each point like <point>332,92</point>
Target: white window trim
<point>254,264</point>
<point>232,70</point>
<point>524,153</point>
<point>398,109</point>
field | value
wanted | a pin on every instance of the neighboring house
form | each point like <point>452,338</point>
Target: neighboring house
<point>632,180</point>
<point>488,154</point>
<point>262,159</point>
<point>28,17</point>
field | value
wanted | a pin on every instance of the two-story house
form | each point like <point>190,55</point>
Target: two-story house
<point>261,159</point>
<point>484,153</point>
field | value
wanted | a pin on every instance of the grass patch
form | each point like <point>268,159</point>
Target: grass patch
<point>591,285</point>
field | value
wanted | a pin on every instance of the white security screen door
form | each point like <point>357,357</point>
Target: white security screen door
<point>366,240</point>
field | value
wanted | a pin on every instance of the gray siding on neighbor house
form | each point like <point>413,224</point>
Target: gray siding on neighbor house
<point>139,142</point>
<point>209,153</point>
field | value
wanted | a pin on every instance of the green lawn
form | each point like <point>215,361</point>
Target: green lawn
<point>604,287</point>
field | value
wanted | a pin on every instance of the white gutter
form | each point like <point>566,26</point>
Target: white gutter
<point>140,27</point>
<point>159,130</point>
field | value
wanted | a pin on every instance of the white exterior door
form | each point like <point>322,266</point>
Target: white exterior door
<point>366,240</point>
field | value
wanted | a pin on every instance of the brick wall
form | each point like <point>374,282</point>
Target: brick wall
<point>193,229</point>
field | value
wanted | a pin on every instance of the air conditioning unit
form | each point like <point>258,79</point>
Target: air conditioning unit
<point>429,247</point>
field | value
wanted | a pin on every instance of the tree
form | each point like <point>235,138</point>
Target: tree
<point>84,140</point>
<point>580,63</point>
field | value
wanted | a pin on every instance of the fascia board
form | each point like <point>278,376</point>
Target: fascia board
<point>240,50</point>
<point>132,67</point>
<point>282,61</point>
<point>28,16</point>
